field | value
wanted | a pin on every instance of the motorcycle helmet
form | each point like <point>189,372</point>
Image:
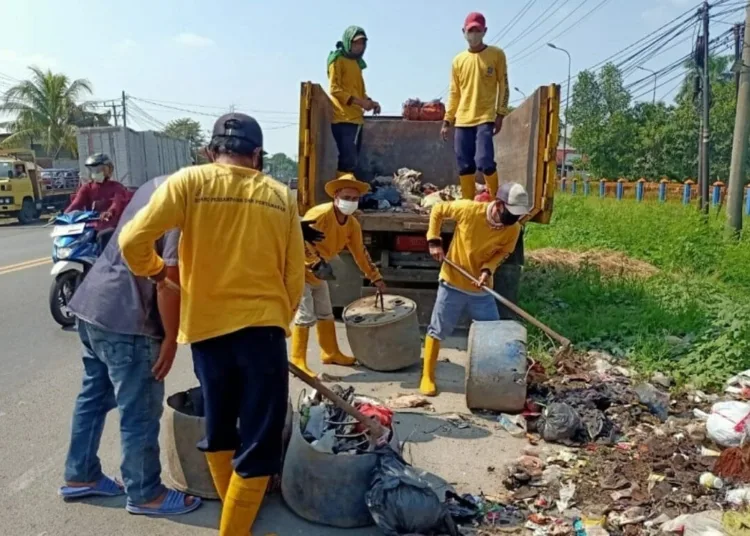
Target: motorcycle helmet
<point>97,165</point>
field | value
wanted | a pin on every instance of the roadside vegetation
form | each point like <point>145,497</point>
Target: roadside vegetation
<point>650,283</point>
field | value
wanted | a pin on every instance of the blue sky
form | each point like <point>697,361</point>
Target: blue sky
<point>253,55</point>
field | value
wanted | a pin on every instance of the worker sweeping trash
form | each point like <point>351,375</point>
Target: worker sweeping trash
<point>340,231</point>
<point>485,235</point>
<point>477,105</point>
<point>242,276</point>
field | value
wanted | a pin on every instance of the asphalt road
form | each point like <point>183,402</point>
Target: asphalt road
<point>40,376</point>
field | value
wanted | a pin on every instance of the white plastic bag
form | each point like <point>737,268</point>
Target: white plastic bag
<point>728,423</point>
<point>701,524</point>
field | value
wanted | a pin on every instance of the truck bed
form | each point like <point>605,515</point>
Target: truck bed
<point>398,222</point>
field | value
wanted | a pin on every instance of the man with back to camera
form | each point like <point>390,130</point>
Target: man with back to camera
<point>128,329</point>
<point>477,105</point>
<point>242,270</point>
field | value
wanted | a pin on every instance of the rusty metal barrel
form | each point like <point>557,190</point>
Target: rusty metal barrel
<point>327,488</point>
<point>383,332</point>
<point>182,427</point>
<point>496,371</point>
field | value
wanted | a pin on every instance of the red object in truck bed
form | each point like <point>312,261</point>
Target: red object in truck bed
<point>410,243</point>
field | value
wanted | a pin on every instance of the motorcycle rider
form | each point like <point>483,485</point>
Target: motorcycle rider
<point>102,194</point>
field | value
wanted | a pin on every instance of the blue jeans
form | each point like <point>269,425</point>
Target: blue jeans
<point>117,374</point>
<point>475,149</point>
<point>450,305</point>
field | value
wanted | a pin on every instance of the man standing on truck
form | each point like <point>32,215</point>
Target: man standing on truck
<point>485,235</point>
<point>242,270</point>
<point>106,196</point>
<point>350,100</point>
<point>341,231</point>
<point>128,329</point>
<point>477,104</point>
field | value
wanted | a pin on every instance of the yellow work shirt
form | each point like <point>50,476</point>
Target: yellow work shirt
<point>475,246</point>
<point>337,237</point>
<point>478,89</point>
<point>241,250</point>
<point>346,81</point>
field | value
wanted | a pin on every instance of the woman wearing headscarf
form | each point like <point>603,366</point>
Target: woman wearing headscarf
<point>350,100</point>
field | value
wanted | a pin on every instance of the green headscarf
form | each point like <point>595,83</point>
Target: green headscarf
<point>344,47</point>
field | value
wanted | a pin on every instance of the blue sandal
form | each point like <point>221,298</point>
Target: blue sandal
<point>172,505</point>
<point>104,487</point>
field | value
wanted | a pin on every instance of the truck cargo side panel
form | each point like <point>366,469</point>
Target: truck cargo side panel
<point>326,153</point>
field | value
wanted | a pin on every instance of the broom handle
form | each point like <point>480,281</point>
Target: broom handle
<point>512,306</point>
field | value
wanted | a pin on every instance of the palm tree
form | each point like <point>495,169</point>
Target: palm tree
<point>45,108</point>
<point>718,72</point>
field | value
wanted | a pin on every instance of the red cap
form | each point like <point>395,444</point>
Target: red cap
<point>475,21</point>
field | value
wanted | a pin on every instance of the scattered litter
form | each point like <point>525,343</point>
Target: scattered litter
<point>567,492</point>
<point>703,523</point>
<point>734,464</point>
<point>402,401</point>
<point>515,425</point>
<point>738,497</point>
<point>711,481</point>
<point>656,401</point>
<point>726,425</point>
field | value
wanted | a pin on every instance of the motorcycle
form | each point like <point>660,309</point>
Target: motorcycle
<point>74,250</point>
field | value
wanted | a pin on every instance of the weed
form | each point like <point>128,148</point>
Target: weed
<point>692,319</point>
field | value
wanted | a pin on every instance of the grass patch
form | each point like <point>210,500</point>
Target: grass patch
<point>690,319</point>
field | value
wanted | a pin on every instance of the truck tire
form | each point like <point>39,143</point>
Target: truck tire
<point>28,212</point>
<point>60,293</point>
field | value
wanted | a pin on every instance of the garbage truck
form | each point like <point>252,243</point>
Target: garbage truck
<point>525,150</point>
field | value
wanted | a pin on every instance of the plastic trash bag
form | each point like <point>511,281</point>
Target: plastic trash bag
<point>703,524</point>
<point>656,401</point>
<point>560,422</point>
<point>401,502</point>
<point>728,423</point>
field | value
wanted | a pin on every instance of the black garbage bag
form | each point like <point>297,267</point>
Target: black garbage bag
<point>560,423</point>
<point>401,502</point>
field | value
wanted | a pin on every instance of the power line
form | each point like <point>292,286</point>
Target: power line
<point>547,13</point>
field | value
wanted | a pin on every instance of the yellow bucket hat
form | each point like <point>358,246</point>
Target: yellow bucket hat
<point>346,181</point>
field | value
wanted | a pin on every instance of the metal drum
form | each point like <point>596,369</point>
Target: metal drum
<point>182,428</point>
<point>496,371</point>
<point>383,335</point>
<point>327,488</point>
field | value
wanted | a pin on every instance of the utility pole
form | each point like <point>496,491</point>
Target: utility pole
<point>706,98</point>
<point>737,54</point>
<point>739,142</point>
<point>114,112</point>
<point>567,101</point>
<point>124,111</point>
<point>653,99</point>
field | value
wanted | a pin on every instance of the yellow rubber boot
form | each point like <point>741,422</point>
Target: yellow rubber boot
<point>220,466</point>
<point>329,347</point>
<point>468,186</point>
<point>431,350</point>
<point>492,182</point>
<point>300,336</point>
<point>242,504</point>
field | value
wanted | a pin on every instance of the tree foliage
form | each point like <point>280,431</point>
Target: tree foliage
<point>281,167</point>
<point>188,129</point>
<point>45,109</point>
<point>653,140</point>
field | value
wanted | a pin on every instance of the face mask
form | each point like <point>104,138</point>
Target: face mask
<point>474,38</point>
<point>347,207</point>
<point>506,218</point>
<point>97,176</point>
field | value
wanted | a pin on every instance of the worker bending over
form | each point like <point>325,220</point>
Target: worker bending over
<point>341,230</point>
<point>350,100</point>
<point>477,104</point>
<point>242,274</point>
<point>485,235</point>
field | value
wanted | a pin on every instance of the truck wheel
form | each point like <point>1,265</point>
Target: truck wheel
<point>28,212</point>
<point>60,294</point>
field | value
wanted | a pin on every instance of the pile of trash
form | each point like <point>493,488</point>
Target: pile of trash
<point>636,460</point>
<point>405,191</point>
<point>331,430</point>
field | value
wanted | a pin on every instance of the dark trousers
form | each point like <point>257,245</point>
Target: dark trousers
<point>244,376</point>
<point>348,138</point>
<point>475,149</point>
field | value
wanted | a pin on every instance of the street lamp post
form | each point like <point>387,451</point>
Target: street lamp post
<point>567,100</point>
<point>521,92</point>
<point>653,100</point>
